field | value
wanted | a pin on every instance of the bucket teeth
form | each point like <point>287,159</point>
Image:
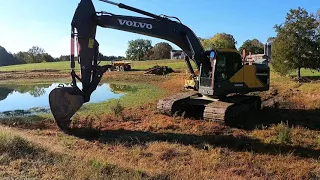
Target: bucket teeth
<point>64,103</point>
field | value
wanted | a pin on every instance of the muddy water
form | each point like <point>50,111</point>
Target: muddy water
<point>32,98</point>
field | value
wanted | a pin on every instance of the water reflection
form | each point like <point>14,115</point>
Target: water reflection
<point>25,97</point>
<point>121,88</point>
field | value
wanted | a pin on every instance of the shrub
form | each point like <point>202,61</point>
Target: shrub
<point>117,109</point>
<point>284,133</point>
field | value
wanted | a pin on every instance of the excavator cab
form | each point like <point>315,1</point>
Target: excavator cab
<point>228,74</point>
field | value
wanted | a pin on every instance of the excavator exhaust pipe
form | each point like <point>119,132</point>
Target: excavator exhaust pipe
<point>64,103</point>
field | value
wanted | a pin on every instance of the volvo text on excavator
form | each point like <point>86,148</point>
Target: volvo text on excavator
<point>220,86</point>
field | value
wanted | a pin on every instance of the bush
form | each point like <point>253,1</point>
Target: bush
<point>117,109</point>
<point>284,133</point>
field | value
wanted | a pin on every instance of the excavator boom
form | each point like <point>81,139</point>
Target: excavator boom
<point>65,101</point>
<point>221,72</point>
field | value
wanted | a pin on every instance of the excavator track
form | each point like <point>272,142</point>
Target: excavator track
<point>228,110</point>
<point>224,111</point>
<point>170,105</point>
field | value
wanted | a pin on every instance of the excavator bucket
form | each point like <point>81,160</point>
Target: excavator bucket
<point>64,103</point>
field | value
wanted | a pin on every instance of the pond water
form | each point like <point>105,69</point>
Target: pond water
<point>36,97</point>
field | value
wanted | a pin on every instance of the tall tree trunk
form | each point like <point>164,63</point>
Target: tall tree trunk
<point>299,73</point>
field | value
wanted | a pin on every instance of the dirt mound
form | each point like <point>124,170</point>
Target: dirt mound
<point>159,70</point>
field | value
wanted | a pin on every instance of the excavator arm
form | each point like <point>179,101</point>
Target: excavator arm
<point>65,101</point>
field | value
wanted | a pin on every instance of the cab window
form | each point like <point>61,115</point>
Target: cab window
<point>221,66</point>
<point>228,63</point>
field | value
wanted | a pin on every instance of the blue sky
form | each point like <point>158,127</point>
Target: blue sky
<point>46,23</point>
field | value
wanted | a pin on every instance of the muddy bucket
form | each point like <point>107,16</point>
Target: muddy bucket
<point>64,103</point>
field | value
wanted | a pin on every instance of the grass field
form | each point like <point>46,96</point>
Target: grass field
<point>65,65</point>
<point>306,72</point>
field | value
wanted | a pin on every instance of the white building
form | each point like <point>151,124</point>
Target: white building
<point>177,54</point>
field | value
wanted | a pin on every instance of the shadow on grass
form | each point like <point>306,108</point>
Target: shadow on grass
<point>313,78</point>
<point>136,70</point>
<point>242,143</point>
<point>293,117</point>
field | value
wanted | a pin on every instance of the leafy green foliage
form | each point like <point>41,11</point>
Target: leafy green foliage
<point>297,43</point>
<point>109,58</point>
<point>271,39</point>
<point>137,49</point>
<point>254,46</point>
<point>34,55</point>
<point>218,41</point>
<point>160,51</point>
<point>7,58</point>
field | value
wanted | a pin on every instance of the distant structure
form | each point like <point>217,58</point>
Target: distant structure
<point>177,54</point>
<point>260,58</point>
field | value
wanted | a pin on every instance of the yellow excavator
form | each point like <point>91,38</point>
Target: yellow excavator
<point>219,87</point>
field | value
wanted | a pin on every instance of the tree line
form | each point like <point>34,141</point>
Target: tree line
<point>37,55</point>
<point>141,49</point>
<point>33,55</point>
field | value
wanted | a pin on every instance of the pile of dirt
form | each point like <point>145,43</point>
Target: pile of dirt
<point>159,70</point>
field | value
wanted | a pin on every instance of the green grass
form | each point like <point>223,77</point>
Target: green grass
<point>16,147</point>
<point>65,65</point>
<point>306,72</point>
<point>284,133</point>
<point>61,66</point>
<point>145,94</point>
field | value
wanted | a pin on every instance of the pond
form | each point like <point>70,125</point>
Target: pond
<point>26,98</point>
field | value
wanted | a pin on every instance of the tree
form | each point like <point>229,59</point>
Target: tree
<point>295,46</point>
<point>64,58</point>
<point>218,41</point>
<point>254,46</point>
<point>271,39</point>
<point>22,56</point>
<point>47,57</point>
<point>138,48</point>
<point>7,58</point>
<point>161,51</point>
<point>36,54</point>
<point>109,58</point>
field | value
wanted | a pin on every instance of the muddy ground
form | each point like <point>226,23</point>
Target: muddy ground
<point>280,142</point>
